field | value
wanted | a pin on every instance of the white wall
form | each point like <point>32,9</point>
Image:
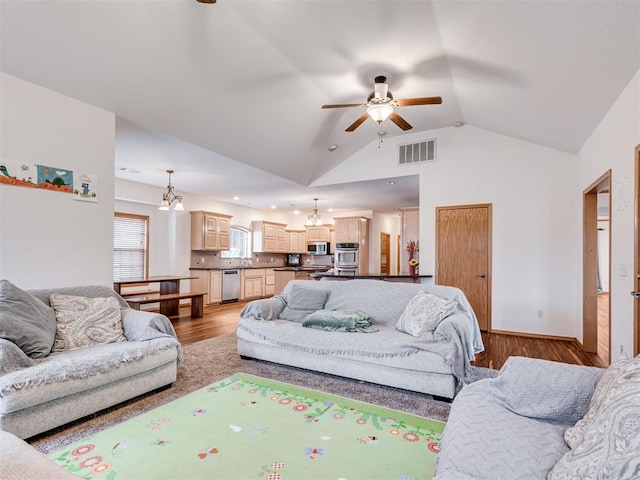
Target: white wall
<point>611,146</point>
<point>48,239</point>
<point>536,217</point>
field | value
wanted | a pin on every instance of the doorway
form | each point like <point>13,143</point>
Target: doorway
<point>463,255</point>
<point>385,253</point>
<point>596,271</point>
<point>398,250</point>
<point>636,282</point>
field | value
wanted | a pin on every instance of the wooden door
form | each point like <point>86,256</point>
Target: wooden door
<point>463,255</point>
<point>385,253</point>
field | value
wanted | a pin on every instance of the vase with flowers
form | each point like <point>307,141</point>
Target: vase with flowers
<point>413,247</point>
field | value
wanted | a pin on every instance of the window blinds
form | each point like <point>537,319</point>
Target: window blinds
<point>130,246</point>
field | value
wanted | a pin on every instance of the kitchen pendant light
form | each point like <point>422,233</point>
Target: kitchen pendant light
<point>169,197</point>
<point>315,219</point>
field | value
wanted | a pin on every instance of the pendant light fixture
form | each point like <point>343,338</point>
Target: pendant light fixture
<point>315,219</point>
<point>169,197</point>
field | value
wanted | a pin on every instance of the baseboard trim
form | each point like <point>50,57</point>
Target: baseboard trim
<point>537,335</point>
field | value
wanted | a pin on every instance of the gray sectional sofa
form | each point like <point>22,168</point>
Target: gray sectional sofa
<point>42,392</point>
<point>545,420</point>
<point>434,363</point>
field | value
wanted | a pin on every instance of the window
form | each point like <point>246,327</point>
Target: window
<point>239,243</point>
<point>130,246</point>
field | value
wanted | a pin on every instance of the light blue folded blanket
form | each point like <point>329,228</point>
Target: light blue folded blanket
<point>339,321</point>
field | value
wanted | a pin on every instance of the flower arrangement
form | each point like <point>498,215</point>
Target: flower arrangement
<point>412,247</point>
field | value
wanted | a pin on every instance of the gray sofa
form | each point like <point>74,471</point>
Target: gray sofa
<point>38,394</point>
<point>435,363</point>
<point>519,425</point>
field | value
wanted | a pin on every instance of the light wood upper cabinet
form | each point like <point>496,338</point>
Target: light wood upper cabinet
<point>268,237</point>
<point>209,231</point>
<point>351,229</point>
<point>297,241</point>
<point>318,234</point>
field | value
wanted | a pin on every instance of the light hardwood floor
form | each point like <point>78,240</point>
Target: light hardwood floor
<point>222,319</point>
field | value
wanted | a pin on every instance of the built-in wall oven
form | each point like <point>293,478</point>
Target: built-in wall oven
<point>346,256</point>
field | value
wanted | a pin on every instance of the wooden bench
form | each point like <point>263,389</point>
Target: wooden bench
<point>197,301</point>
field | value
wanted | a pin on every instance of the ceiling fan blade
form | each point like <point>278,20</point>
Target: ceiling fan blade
<point>358,122</point>
<point>342,105</point>
<point>207,1</point>
<point>399,121</point>
<point>409,102</point>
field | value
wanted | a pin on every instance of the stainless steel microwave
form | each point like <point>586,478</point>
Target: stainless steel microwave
<point>318,248</point>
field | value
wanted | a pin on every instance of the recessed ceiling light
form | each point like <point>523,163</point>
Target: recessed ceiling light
<point>236,198</point>
<point>332,147</point>
<point>330,210</point>
<point>273,206</point>
<point>296,212</point>
<point>391,183</point>
<point>458,124</point>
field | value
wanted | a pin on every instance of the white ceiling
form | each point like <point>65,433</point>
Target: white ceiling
<point>229,95</point>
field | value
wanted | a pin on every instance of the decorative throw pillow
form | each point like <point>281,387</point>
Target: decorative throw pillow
<point>26,321</point>
<point>423,313</point>
<point>575,434</point>
<point>302,301</point>
<point>610,444</point>
<point>83,322</point>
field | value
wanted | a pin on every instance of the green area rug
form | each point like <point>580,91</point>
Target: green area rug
<point>246,427</point>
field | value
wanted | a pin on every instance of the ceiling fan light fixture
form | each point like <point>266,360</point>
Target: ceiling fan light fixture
<point>380,90</point>
<point>380,112</point>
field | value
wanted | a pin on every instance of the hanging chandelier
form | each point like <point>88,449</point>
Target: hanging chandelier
<point>315,219</point>
<point>169,197</point>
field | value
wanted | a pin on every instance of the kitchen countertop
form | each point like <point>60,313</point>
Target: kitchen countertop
<point>229,268</point>
<point>379,276</point>
<point>317,268</point>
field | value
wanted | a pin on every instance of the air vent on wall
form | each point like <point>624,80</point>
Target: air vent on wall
<point>420,152</point>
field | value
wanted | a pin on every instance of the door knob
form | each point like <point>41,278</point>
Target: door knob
<point>483,275</point>
<point>636,294</point>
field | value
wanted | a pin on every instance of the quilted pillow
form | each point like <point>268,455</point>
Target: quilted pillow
<point>423,313</point>
<point>26,321</point>
<point>83,322</point>
<point>303,301</point>
<point>575,434</point>
<point>610,444</point>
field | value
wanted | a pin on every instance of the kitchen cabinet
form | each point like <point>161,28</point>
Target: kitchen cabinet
<point>269,282</point>
<point>351,229</point>
<point>252,283</point>
<point>297,241</point>
<point>208,281</point>
<point>319,234</point>
<point>355,230</point>
<point>268,237</point>
<point>209,231</point>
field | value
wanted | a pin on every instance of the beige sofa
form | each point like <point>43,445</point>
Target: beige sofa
<point>38,394</point>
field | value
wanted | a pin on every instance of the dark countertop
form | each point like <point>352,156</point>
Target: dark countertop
<point>303,269</point>
<point>229,268</point>
<point>379,276</point>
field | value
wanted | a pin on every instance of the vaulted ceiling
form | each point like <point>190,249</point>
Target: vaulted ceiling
<point>229,94</point>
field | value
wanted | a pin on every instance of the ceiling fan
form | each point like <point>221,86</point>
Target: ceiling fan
<point>381,105</point>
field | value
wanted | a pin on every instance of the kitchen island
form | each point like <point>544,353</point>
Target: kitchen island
<point>387,277</point>
<point>284,275</point>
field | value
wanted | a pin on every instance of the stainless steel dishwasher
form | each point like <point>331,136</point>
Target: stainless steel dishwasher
<point>230,285</point>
